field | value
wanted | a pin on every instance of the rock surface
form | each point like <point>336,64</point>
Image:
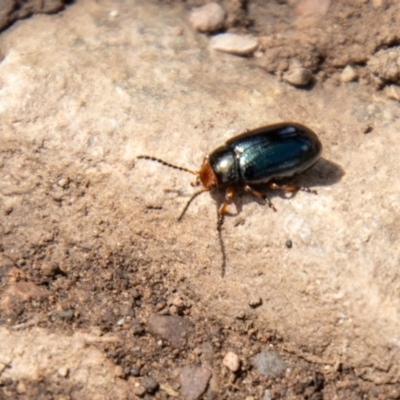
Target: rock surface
<point>91,92</point>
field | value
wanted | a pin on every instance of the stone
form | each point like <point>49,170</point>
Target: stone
<point>194,381</point>
<point>348,74</point>
<point>269,364</point>
<point>231,361</point>
<point>233,43</point>
<point>298,76</point>
<point>169,327</point>
<point>208,18</point>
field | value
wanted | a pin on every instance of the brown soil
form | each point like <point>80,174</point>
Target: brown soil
<point>101,275</point>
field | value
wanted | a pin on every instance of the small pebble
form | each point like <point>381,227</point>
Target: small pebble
<point>255,301</point>
<point>135,294</point>
<point>393,92</point>
<point>197,351</point>
<point>48,268</point>
<point>119,371</point>
<point>298,76</point>
<point>233,43</point>
<point>348,74</point>
<point>241,315</point>
<point>159,306</point>
<point>21,388</point>
<point>169,327</point>
<point>176,31</point>
<point>135,371</point>
<point>367,128</point>
<point>231,361</point>
<point>150,384</point>
<point>63,182</point>
<point>173,310</point>
<point>113,13</point>
<point>289,244</point>
<point>208,18</point>
<point>66,315</point>
<point>269,364</point>
<point>63,371</point>
<point>178,302</point>
<point>137,328</point>
<point>139,390</point>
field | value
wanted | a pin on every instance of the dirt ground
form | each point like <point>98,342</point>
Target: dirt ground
<point>105,296</point>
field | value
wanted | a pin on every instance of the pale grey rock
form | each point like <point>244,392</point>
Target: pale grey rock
<point>234,44</point>
<point>298,76</point>
<point>269,364</point>
<point>208,18</point>
<point>150,384</point>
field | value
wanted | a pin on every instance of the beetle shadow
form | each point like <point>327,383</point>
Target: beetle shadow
<point>323,173</point>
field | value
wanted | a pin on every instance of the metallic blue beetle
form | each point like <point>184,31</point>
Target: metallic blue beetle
<point>256,156</point>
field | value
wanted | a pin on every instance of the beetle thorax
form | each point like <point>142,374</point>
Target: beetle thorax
<point>207,176</point>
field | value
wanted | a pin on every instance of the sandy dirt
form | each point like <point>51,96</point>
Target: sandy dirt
<point>104,295</point>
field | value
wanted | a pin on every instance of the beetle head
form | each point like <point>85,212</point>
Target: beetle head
<point>207,176</point>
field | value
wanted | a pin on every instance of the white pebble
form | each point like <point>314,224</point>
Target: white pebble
<point>63,371</point>
<point>234,44</point>
<point>298,76</point>
<point>348,74</point>
<point>208,18</point>
<point>63,182</point>
<point>231,361</point>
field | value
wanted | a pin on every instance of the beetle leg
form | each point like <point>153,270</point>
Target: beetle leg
<point>290,188</point>
<point>260,195</point>
<point>222,210</point>
<point>194,195</point>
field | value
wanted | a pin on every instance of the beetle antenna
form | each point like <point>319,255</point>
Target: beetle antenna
<point>194,195</point>
<point>167,164</point>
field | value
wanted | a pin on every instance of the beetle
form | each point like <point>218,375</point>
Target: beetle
<point>261,155</point>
